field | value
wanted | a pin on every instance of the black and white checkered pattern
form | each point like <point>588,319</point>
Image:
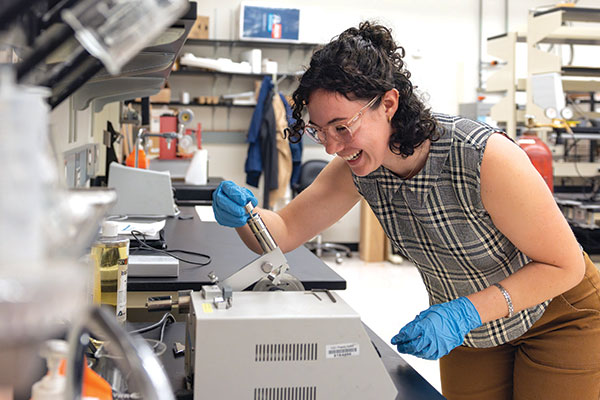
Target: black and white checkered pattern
<point>437,220</point>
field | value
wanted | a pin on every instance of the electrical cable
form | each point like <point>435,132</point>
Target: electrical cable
<point>162,323</point>
<point>144,245</point>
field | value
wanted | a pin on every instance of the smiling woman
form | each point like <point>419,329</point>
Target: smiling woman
<point>338,128</point>
<point>363,63</point>
<point>513,300</point>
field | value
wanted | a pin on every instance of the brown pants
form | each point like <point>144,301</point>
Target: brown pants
<point>558,358</point>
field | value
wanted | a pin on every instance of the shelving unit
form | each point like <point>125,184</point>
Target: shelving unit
<point>193,104</point>
<point>544,27</point>
<point>231,46</point>
<point>196,72</point>
<point>199,82</point>
<point>552,27</point>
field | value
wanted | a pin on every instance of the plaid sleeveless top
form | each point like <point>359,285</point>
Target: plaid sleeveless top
<point>436,220</point>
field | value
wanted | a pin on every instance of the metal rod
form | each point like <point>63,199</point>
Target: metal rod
<point>259,229</point>
<point>143,133</point>
<point>136,144</point>
<point>43,46</point>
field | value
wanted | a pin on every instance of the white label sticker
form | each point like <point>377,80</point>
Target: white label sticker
<point>122,292</point>
<point>342,350</point>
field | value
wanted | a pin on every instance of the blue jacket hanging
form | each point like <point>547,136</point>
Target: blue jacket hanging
<point>254,165</point>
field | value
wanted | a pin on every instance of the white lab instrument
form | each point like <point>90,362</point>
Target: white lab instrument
<point>282,345</point>
<point>547,91</point>
<point>141,192</point>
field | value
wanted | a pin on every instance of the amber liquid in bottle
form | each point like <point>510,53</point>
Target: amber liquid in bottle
<point>110,256</point>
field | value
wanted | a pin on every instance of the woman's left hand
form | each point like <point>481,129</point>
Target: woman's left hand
<point>438,330</point>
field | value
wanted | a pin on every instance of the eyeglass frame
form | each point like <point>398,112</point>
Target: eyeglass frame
<point>347,124</point>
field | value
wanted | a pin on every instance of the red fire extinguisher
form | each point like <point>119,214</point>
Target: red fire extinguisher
<point>539,154</point>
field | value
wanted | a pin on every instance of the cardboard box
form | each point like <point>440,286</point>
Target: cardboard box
<point>164,96</point>
<point>200,28</point>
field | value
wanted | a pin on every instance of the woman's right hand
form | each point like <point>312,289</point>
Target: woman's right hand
<point>228,204</point>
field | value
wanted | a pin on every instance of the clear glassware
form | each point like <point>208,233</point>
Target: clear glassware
<point>114,31</point>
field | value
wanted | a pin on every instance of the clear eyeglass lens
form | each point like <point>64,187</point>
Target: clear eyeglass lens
<point>343,133</point>
<point>340,133</point>
<point>313,133</point>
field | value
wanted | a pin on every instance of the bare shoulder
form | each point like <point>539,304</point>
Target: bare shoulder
<point>504,162</point>
<point>499,148</point>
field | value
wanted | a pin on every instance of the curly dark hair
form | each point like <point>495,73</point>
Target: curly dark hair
<point>361,63</point>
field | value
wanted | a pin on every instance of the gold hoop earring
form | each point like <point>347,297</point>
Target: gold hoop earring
<point>389,118</point>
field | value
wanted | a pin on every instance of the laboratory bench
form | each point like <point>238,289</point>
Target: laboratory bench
<point>408,382</point>
<point>191,195</point>
<point>228,254</point>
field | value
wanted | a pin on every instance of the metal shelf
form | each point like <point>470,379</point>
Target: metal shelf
<point>180,104</point>
<point>581,14</point>
<point>580,71</point>
<point>191,71</point>
<point>250,44</point>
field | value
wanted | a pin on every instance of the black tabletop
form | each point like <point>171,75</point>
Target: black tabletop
<point>228,254</point>
<point>186,194</point>
<point>410,385</point>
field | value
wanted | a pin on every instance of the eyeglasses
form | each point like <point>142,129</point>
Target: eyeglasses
<point>341,132</point>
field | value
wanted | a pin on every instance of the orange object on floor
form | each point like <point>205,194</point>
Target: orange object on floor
<point>94,386</point>
<point>143,161</point>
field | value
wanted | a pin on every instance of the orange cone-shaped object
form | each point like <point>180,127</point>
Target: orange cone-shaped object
<point>143,161</point>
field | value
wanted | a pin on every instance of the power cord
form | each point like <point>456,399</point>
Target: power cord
<point>146,246</point>
<point>164,321</point>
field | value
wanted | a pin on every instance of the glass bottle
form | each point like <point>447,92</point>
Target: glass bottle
<point>110,255</point>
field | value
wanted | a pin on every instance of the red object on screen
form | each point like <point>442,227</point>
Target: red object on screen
<point>276,31</point>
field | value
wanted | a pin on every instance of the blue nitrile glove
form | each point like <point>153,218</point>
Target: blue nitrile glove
<point>438,330</point>
<point>228,204</point>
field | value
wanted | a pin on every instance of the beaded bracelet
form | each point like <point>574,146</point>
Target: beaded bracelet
<point>511,310</point>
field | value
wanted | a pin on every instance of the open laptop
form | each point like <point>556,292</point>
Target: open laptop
<point>141,193</point>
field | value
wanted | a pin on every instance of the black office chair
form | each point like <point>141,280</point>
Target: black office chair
<point>308,172</point>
